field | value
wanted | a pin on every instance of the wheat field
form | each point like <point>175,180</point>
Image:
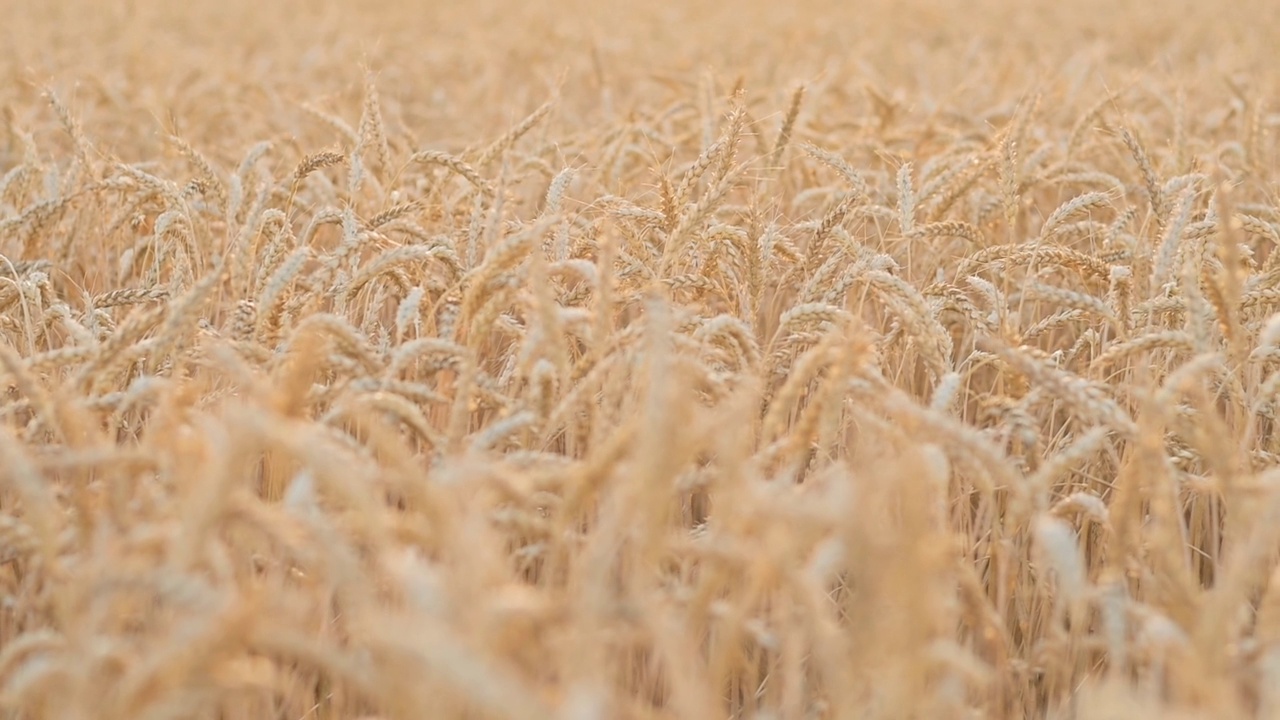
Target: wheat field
<point>592,360</point>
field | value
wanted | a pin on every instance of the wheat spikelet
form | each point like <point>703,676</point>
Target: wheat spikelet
<point>390,261</point>
<point>953,228</point>
<point>1155,194</point>
<point>847,171</point>
<point>1086,266</point>
<point>457,165</point>
<point>1080,204</point>
<point>371,125</point>
<point>1087,400</point>
<point>1062,297</point>
<point>129,296</point>
<point>788,127</point>
<point>502,144</point>
<point>208,176</point>
<point>315,162</point>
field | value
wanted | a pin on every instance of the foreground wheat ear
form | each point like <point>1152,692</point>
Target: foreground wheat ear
<point>400,361</point>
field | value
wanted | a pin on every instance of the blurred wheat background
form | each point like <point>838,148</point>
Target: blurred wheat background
<point>596,360</point>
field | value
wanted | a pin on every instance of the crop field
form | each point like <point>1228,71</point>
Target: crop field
<point>570,360</point>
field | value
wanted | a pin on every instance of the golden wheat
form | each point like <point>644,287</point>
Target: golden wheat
<point>670,360</point>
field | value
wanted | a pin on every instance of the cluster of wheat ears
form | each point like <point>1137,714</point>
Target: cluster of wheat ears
<point>764,402</point>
